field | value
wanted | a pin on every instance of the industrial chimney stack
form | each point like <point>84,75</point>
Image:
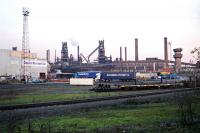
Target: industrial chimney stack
<point>166,53</point>
<point>78,54</point>
<point>48,56</point>
<point>120,53</point>
<point>125,53</point>
<point>55,56</point>
<point>136,49</point>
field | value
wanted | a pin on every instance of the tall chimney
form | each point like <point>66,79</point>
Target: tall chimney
<point>125,54</point>
<point>136,49</point>
<point>78,53</point>
<point>166,53</point>
<point>120,54</point>
<point>48,56</point>
<point>55,55</point>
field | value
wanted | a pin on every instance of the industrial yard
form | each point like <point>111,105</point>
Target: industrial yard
<point>108,68</point>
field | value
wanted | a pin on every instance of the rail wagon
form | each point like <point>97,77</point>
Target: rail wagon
<point>119,76</point>
<point>86,74</point>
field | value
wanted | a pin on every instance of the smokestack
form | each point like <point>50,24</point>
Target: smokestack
<point>55,55</point>
<point>120,53</point>
<point>78,53</point>
<point>48,56</point>
<point>125,54</point>
<point>165,52</point>
<point>136,49</point>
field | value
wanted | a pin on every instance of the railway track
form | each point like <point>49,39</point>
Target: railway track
<point>47,104</point>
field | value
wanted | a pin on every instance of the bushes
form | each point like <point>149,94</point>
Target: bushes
<point>185,103</point>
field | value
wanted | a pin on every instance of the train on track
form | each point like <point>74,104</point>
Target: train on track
<point>109,81</point>
<point>109,76</point>
<point>114,81</point>
<point>116,76</point>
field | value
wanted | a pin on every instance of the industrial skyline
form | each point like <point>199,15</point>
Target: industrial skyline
<point>83,23</point>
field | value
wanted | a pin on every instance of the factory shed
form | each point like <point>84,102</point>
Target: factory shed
<point>11,62</point>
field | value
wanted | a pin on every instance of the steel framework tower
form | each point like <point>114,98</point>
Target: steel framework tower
<point>25,57</point>
<point>101,55</point>
<point>64,53</point>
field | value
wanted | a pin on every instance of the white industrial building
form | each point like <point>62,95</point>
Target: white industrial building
<point>10,64</point>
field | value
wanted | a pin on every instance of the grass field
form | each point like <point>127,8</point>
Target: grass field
<point>24,99</point>
<point>45,93</point>
<point>149,117</point>
<point>163,116</point>
<point>36,93</point>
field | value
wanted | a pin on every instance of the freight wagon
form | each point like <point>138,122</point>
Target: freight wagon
<point>146,76</point>
<point>82,81</point>
<point>168,76</point>
<point>117,76</point>
<point>86,74</point>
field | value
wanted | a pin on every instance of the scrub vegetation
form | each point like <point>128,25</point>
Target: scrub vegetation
<point>23,94</point>
<point>180,114</point>
<point>37,93</point>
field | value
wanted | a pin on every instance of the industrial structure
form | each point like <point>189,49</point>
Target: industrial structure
<point>25,57</point>
<point>177,56</point>
<point>152,64</point>
<point>136,49</point>
<point>25,65</point>
<point>48,56</point>
<point>11,64</point>
<point>166,53</point>
<point>67,64</point>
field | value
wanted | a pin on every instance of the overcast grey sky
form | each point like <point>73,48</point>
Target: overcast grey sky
<point>118,22</point>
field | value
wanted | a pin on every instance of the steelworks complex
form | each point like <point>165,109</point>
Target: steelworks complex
<point>39,68</point>
<point>25,65</point>
<point>67,63</point>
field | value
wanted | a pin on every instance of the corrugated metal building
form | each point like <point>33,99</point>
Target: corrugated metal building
<point>10,64</point>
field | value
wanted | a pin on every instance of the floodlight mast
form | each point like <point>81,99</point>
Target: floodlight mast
<point>25,56</point>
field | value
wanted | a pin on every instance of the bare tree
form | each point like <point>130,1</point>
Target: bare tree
<point>196,53</point>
